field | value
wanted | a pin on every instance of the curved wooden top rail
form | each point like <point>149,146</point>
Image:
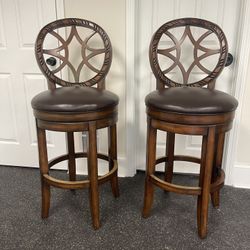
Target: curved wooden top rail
<point>87,52</point>
<point>165,29</point>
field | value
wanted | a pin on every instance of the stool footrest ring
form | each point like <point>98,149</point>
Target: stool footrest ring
<point>179,158</point>
<point>173,187</point>
<point>218,184</point>
<point>76,155</point>
<point>79,184</point>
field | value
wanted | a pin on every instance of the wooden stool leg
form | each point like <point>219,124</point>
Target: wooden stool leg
<point>93,175</point>
<point>112,138</point>
<point>203,199</point>
<point>44,169</point>
<point>201,177</point>
<point>215,197</point>
<point>71,152</point>
<point>169,164</point>
<point>151,157</point>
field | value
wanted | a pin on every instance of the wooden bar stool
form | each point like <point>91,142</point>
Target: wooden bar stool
<point>76,105</point>
<point>183,105</point>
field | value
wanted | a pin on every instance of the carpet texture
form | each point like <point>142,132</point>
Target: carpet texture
<point>172,224</point>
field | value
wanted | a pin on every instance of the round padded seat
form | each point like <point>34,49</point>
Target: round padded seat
<point>191,100</point>
<point>74,99</point>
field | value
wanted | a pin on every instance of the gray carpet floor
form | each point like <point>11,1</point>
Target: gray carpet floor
<point>172,224</point>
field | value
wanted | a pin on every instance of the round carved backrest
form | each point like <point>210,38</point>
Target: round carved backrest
<point>74,46</point>
<point>173,68</point>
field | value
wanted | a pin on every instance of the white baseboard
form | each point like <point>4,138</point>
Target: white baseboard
<point>241,176</point>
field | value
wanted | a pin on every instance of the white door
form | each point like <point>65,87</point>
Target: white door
<point>20,80</point>
<point>151,15</point>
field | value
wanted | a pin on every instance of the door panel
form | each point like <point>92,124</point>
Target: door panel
<point>21,79</point>
<point>151,15</point>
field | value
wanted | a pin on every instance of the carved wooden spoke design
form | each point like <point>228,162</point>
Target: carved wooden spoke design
<point>64,47</point>
<point>165,29</point>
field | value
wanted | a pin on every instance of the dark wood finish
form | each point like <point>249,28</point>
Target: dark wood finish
<point>187,119</point>
<point>73,23</point>
<point>71,153</point>
<point>113,156</point>
<point>179,128</point>
<point>201,177</point>
<point>205,183</point>
<point>77,117</point>
<point>71,122</point>
<point>212,127</point>
<point>209,164</point>
<point>169,164</point>
<point>93,175</point>
<point>173,187</point>
<point>180,158</point>
<point>44,169</point>
<point>218,184</point>
<point>84,183</point>
<point>75,126</point>
<point>215,196</point>
<point>165,30</point>
<point>151,159</point>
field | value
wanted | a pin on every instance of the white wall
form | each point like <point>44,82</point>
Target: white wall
<point>241,171</point>
<point>238,153</point>
<point>243,150</point>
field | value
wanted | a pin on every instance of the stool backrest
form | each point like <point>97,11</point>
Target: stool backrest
<point>179,53</point>
<point>72,52</point>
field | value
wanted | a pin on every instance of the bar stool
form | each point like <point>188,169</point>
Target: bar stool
<point>76,105</point>
<point>186,106</point>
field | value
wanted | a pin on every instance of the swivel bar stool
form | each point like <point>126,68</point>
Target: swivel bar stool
<point>76,105</point>
<point>186,106</point>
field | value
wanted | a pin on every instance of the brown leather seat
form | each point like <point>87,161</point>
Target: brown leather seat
<point>74,99</point>
<point>191,100</point>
